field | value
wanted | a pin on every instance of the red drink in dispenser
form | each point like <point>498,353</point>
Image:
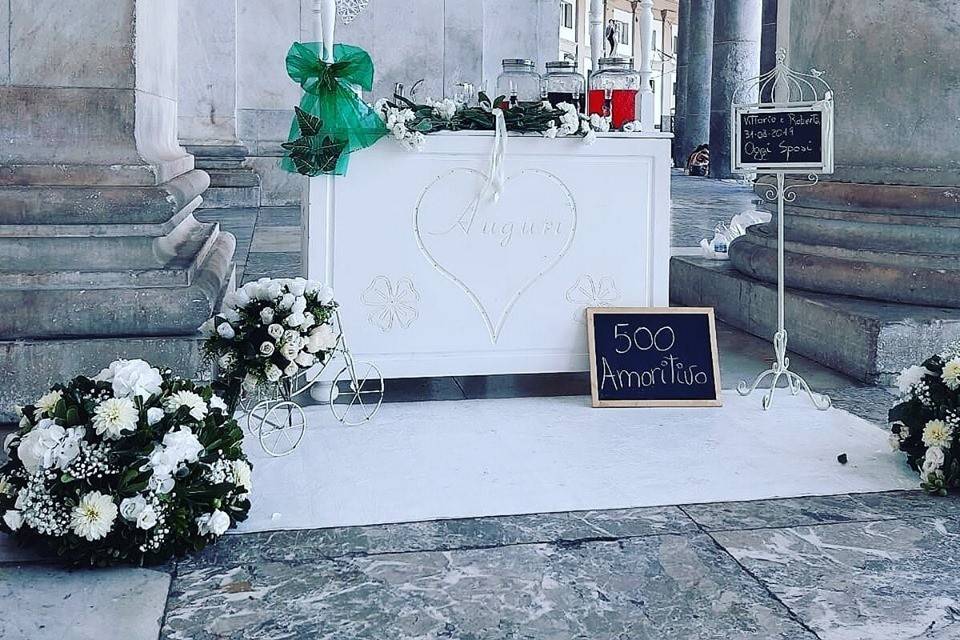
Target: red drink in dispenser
<point>620,105</point>
<point>613,91</point>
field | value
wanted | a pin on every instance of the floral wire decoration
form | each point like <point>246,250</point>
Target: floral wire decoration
<point>132,466</point>
<point>332,121</point>
<point>925,423</point>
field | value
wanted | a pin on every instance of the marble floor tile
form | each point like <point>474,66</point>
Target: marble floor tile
<point>888,580</point>
<point>654,588</point>
<point>789,512</point>
<point>910,504</point>
<point>567,528</point>
<point>40,602</point>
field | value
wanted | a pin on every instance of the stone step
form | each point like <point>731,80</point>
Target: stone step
<point>41,363</point>
<point>233,178</point>
<point>124,303</point>
<point>867,339</point>
<point>231,198</point>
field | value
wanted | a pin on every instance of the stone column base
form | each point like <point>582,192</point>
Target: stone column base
<point>867,339</point>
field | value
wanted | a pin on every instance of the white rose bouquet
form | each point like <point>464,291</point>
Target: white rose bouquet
<point>270,330</point>
<point>925,423</point>
<point>131,466</point>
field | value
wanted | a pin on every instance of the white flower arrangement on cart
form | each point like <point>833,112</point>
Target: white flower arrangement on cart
<point>132,466</point>
<point>273,341</point>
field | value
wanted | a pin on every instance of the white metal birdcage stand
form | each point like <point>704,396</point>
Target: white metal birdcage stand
<point>785,88</point>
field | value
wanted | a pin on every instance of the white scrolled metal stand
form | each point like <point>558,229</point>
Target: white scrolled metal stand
<point>783,85</point>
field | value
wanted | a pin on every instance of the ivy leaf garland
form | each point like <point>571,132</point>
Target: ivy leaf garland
<point>312,153</point>
<point>522,117</point>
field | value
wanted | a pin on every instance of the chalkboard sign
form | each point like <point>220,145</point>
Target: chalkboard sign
<point>783,137</point>
<point>653,357</point>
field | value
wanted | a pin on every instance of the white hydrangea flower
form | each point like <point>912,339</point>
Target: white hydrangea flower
<point>132,378</point>
<point>93,518</point>
<point>182,445</point>
<point>37,446</point>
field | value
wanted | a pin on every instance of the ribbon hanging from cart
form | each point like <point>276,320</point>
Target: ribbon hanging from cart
<point>332,120</point>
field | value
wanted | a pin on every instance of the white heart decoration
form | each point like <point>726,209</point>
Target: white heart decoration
<point>495,251</point>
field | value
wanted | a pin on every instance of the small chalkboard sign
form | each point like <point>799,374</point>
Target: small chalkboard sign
<point>783,136</point>
<point>653,357</point>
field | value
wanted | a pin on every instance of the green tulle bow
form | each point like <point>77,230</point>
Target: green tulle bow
<point>337,121</point>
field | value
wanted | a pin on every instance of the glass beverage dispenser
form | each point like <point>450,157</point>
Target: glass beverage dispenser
<point>562,83</point>
<point>613,91</point>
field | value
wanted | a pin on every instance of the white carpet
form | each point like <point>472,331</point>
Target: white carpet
<point>422,461</point>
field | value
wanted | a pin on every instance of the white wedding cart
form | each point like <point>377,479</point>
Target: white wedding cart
<point>355,394</point>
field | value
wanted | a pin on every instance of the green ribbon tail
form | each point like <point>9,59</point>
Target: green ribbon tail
<point>346,123</point>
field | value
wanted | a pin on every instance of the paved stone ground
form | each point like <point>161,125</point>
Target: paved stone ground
<point>863,567</point>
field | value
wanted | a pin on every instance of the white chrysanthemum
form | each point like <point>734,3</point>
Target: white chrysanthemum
<point>93,518</point>
<point>114,416</point>
<point>951,374</point>
<point>47,402</point>
<point>937,433</point>
<point>198,408</point>
<point>909,377</point>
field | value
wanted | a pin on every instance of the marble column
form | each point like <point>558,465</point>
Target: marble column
<point>886,225</point>
<point>645,33</point>
<point>736,59</point>
<point>680,112</point>
<point>696,129</point>
<point>101,254</point>
<point>768,36</point>
<point>207,105</point>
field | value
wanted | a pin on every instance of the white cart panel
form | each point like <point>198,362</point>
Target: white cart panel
<point>432,282</point>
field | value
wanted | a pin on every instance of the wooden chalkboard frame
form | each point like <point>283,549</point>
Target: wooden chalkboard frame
<point>591,340</point>
<point>823,107</point>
